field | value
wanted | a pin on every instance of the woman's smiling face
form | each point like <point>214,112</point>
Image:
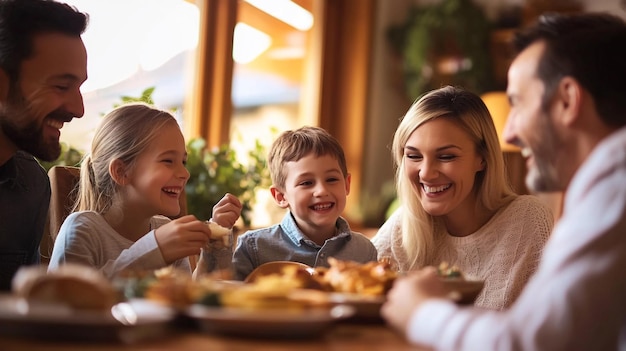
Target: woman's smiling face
<point>441,161</point>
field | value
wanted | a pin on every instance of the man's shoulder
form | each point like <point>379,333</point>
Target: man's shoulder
<point>25,158</point>
<point>24,175</point>
<point>28,166</point>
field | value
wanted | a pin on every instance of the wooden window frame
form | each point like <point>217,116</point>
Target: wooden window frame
<point>344,76</point>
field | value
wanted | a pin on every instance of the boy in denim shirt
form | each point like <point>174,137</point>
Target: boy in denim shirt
<point>311,180</point>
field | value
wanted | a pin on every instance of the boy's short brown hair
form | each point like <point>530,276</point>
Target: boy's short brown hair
<point>292,145</point>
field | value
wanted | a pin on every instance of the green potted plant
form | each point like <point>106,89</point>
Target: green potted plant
<point>444,43</point>
<point>215,172</point>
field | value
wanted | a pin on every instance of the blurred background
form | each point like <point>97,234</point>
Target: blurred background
<point>238,72</point>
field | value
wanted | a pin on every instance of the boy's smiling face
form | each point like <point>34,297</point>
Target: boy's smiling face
<point>315,192</point>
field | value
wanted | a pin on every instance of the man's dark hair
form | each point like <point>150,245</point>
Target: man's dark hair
<point>589,47</point>
<point>22,20</point>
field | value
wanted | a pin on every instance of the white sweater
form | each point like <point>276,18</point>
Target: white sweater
<point>86,238</point>
<point>504,252</point>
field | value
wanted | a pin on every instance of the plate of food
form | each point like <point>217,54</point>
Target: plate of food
<point>268,323</point>
<point>460,289</point>
<point>360,285</point>
<point>76,303</point>
<point>366,307</point>
<point>126,322</point>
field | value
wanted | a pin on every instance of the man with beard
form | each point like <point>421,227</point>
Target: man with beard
<point>43,63</point>
<point>568,115</point>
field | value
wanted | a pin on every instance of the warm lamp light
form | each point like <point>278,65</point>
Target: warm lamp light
<point>498,105</point>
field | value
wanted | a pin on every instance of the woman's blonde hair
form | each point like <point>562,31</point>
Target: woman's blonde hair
<point>420,230</point>
<point>123,135</point>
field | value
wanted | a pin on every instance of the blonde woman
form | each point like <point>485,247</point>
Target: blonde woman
<point>456,203</point>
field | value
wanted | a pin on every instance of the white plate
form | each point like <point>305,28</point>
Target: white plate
<point>367,308</point>
<point>130,321</point>
<point>274,323</point>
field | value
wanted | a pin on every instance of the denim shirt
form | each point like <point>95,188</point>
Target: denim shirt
<point>24,200</point>
<point>285,242</point>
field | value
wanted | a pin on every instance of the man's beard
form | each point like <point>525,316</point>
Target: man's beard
<point>544,177</point>
<point>20,125</point>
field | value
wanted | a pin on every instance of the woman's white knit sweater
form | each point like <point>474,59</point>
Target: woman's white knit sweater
<point>504,253</point>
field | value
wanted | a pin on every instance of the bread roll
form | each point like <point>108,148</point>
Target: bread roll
<point>79,287</point>
<point>217,231</point>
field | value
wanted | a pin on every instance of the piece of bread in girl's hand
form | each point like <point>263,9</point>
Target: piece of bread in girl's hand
<point>76,286</point>
<point>217,231</point>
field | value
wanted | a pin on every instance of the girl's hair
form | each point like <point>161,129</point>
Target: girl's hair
<point>420,230</point>
<point>123,135</point>
<point>292,145</point>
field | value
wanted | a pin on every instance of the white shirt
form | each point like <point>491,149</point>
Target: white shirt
<point>86,238</point>
<point>577,298</point>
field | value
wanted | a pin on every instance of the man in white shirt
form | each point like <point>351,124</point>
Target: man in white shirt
<point>568,115</point>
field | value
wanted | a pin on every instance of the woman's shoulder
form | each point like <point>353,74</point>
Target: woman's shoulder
<point>529,204</point>
<point>528,211</point>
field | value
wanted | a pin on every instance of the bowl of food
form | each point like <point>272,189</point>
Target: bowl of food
<point>460,289</point>
<point>463,291</point>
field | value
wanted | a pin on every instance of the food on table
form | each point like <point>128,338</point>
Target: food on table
<point>291,288</point>
<point>76,286</point>
<point>372,278</point>
<point>169,286</point>
<point>460,289</point>
<point>445,270</point>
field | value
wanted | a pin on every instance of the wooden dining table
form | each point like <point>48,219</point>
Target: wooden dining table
<point>340,336</point>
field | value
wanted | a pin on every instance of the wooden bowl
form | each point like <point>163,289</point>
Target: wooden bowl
<point>463,291</point>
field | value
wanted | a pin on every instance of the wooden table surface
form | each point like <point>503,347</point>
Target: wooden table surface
<point>341,336</point>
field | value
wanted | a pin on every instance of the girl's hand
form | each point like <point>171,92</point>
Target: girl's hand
<point>227,211</point>
<point>182,237</point>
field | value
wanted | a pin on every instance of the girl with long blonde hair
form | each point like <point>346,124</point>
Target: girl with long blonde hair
<point>130,181</point>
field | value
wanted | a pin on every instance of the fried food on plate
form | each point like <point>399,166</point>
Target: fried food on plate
<point>372,278</point>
